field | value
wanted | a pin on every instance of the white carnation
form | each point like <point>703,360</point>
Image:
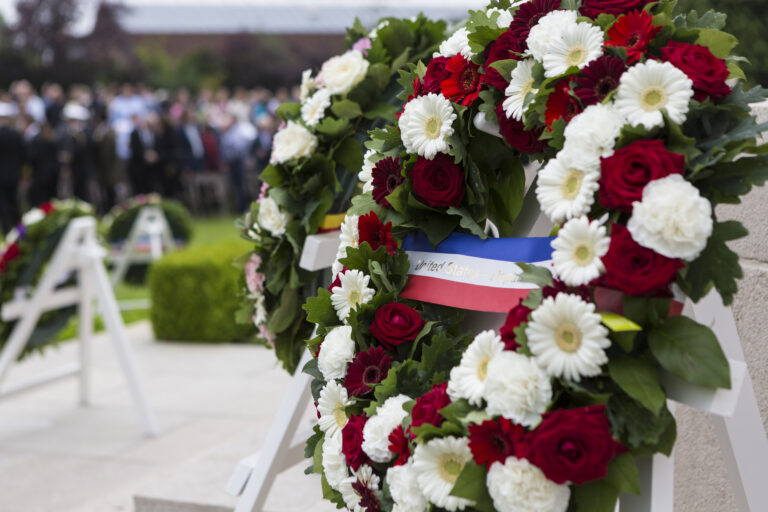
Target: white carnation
<point>308,85</point>
<point>458,43</point>
<point>293,141</point>
<point>334,461</point>
<point>33,216</point>
<point>504,19</point>
<point>337,351</point>
<point>313,110</point>
<point>343,72</point>
<point>377,429</point>
<point>365,175</point>
<point>519,486</point>
<point>592,134</point>
<point>517,388</point>
<point>271,217</point>
<point>547,31</point>
<point>405,490</point>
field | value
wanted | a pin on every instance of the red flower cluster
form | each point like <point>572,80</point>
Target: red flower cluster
<point>464,83</point>
<point>376,233</point>
<point>707,72</point>
<point>514,132</point>
<point>598,79</point>
<point>427,407</point>
<point>593,8</point>
<point>352,441</point>
<point>516,316</point>
<point>369,367</point>
<point>438,182</point>
<point>398,444</point>
<point>494,441</point>
<point>387,175</point>
<point>10,254</point>
<point>435,75</point>
<point>561,104</point>
<point>633,32</point>
<point>507,46</point>
<point>395,324</point>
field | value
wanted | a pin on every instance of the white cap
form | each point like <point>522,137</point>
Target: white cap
<point>76,112</point>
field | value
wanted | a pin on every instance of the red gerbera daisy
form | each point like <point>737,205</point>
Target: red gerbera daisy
<point>376,233</point>
<point>528,15</point>
<point>633,32</point>
<point>465,81</point>
<point>387,175</point>
<point>369,367</point>
<point>507,46</point>
<point>398,444</point>
<point>598,79</point>
<point>561,104</point>
<point>494,441</point>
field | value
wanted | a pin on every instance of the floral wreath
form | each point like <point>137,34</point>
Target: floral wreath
<point>641,121</point>
<point>313,169</point>
<point>23,257</point>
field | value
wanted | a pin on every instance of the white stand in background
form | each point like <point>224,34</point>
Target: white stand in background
<point>150,225</point>
<point>78,252</point>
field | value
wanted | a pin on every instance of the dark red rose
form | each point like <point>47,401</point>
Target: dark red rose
<point>395,324</point>
<point>438,182</point>
<point>560,287</point>
<point>398,444</point>
<point>369,367</point>
<point>561,104</point>
<point>387,175</point>
<point>494,441</point>
<point>464,82</point>
<point>516,316</point>
<point>376,233</point>
<point>633,32</point>
<point>598,79</point>
<point>573,445</point>
<point>435,75</point>
<point>352,441</point>
<point>507,46</point>
<point>625,173</point>
<point>528,15</point>
<point>514,132</point>
<point>47,207</point>
<point>427,407</point>
<point>593,8</point>
<point>634,269</point>
<point>707,72</point>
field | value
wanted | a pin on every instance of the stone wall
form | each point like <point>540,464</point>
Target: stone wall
<point>701,483</point>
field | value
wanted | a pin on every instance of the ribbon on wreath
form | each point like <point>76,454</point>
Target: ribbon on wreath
<point>467,272</point>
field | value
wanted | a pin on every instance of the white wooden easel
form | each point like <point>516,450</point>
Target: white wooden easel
<point>151,225</point>
<point>78,252</point>
<point>734,412</point>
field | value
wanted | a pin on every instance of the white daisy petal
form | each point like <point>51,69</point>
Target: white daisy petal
<point>426,124</point>
<point>437,464</point>
<point>520,85</point>
<point>353,292</point>
<point>331,406</point>
<point>468,378</point>
<point>565,189</point>
<point>366,173</point>
<point>365,476</point>
<point>578,249</point>
<point>578,45</point>
<point>548,30</point>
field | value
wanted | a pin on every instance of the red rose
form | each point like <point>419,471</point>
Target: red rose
<point>494,441</point>
<point>398,444</point>
<point>593,8</point>
<point>427,407</point>
<point>375,232</point>
<point>631,168</point>
<point>514,132</point>
<point>707,72</point>
<point>438,182</point>
<point>634,269</point>
<point>517,315</point>
<point>573,445</point>
<point>435,75</point>
<point>395,324</point>
<point>352,441</point>
<point>507,46</point>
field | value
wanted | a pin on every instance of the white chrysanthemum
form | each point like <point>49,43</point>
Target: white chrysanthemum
<point>331,406</point>
<point>650,87</point>
<point>365,175</point>
<point>343,72</point>
<point>577,46</point>
<point>517,388</point>
<point>271,217</point>
<point>334,461</point>
<point>33,216</point>
<point>504,19</point>
<point>293,141</point>
<point>547,31</point>
<point>519,486</point>
<point>592,134</point>
<point>672,219</point>
<point>308,85</point>
<point>520,85</point>
<point>468,378</point>
<point>353,292</point>
<point>377,429</point>
<point>349,236</point>
<point>426,124</point>
<point>437,464</point>
<point>313,110</point>
<point>338,350</point>
<point>259,311</point>
<point>578,251</point>
<point>405,490</point>
<point>457,44</point>
<point>566,189</point>
<point>365,476</point>
<point>567,338</point>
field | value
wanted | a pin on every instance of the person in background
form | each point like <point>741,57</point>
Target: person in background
<point>190,144</point>
<point>104,157</point>
<point>211,144</point>
<point>76,149</point>
<point>12,157</point>
<point>28,101</point>
<point>168,180</point>
<point>143,156</point>
<point>45,158</point>
<point>262,146</point>
<point>235,146</point>
<point>53,97</point>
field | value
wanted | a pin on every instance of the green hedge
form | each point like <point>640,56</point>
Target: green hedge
<point>194,294</point>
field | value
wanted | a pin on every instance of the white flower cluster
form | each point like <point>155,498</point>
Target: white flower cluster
<point>377,429</point>
<point>426,124</point>
<point>271,217</point>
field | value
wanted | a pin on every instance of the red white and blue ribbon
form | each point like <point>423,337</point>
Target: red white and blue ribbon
<point>467,272</point>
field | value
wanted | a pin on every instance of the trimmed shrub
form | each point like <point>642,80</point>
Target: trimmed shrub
<point>194,294</point>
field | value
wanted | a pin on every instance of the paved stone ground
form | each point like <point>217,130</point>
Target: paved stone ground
<point>214,404</point>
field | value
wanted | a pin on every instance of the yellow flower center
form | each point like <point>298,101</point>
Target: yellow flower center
<point>433,127</point>
<point>572,184</point>
<point>575,56</point>
<point>584,254</point>
<point>354,297</point>
<point>339,415</point>
<point>568,337</point>
<point>528,87</point>
<point>482,368</point>
<point>653,98</point>
<point>450,467</point>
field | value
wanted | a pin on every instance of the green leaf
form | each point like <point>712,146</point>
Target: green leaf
<point>332,127</point>
<point>534,274</point>
<point>347,109</point>
<point>288,110</point>
<point>623,475</point>
<point>505,67</point>
<point>381,110</point>
<point>349,154</point>
<point>471,485</point>
<point>639,378</point>
<point>283,317</point>
<point>719,43</point>
<point>467,222</point>
<point>597,496</point>
<point>691,351</point>
<point>637,427</point>
<point>320,310</point>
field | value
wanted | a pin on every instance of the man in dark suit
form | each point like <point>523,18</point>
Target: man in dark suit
<point>12,157</point>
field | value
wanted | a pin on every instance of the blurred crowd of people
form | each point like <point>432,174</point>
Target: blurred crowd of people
<point>103,144</point>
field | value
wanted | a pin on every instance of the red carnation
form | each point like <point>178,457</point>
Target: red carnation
<point>561,104</point>
<point>494,441</point>
<point>559,287</point>
<point>427,407</point>
<point>47,207</point>
<point>352,441</point>
<point>514,132</point>
<point>438,182</point>
<point>369,367</point>
<point>435,75</point>
<point>634,269</point>
<point>376,233</point>
<point>598,79</point>
<point>528,15</point>
<point>387,175</point>
<point>707,72</point>
<point>593,8</point>
<point>625,173</point>
<point>507,46</point>
<point>633,32</point>
<point>573,445</point>
<point>516,316</point>
<point>465,81</point>
<point>395,324</point>
<point>398,444</point>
